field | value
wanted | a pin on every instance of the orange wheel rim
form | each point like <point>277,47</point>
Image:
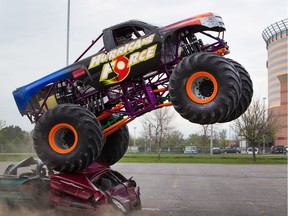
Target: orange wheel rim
<point>63,138</point>
<point>201,87</point>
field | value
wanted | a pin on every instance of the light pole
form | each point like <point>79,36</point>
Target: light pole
<point>211,140</point>
<point>264,141</point>
<point>145,142</point>
<point>135,136</point>
<point>68,32</point>
<point>149,134</point>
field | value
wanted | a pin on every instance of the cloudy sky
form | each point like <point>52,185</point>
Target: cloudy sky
<point>33,38</point>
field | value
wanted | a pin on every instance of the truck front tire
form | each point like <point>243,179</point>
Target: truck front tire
<point>68,138</point>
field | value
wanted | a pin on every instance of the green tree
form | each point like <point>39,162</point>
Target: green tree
<point>223,138</point>
<point>157,125</point>
<point>193,139</point>
<point>256,123</point>
<point>175,138</point>
<point>15,139</point>
<point>2,125</point>
<point>11,132</point>
<point>204,141</point>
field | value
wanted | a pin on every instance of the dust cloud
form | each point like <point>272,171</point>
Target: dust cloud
<point>5,210</point>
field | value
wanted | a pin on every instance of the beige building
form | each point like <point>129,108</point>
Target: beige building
<point>276,38</point>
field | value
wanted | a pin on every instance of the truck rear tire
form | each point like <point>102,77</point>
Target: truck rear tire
<point>247,92</point>
<point>204,88</point>
<point>115,146</point>
<point>68,138</point>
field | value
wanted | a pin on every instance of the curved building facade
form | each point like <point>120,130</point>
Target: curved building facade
<point>276,38</point>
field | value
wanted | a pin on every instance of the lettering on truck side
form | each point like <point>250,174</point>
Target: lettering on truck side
<point>122,50</point>
<point>121,65</point>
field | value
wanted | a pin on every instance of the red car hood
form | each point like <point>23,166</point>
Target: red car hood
<point>78,184</point>
<point>75,184</point>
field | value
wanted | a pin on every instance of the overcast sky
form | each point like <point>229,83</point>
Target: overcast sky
<point>33,38</point>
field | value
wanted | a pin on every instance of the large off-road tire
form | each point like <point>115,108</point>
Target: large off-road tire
<point>68,138</point>
<point>115,146</point>
<point>247,92</point>
<point>205,88</point>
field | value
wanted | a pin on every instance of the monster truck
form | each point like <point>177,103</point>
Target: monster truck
<point>81,111</point>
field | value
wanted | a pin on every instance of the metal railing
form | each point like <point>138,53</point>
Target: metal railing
<point>275,31</point>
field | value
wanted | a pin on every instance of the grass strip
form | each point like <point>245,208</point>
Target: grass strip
<point>178,158</point>
<point>212,159</point>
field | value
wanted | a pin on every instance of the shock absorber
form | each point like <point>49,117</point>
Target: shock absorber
<point>189,43</point>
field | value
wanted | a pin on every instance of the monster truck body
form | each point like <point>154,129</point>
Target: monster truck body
<point>140,68</point>
<point>156,51</point>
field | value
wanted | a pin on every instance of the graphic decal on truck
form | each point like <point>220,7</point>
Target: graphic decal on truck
<point>121,65</point>
<point>116,63</point>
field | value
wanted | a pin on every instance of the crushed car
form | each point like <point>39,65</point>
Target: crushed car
<point>89,190</point>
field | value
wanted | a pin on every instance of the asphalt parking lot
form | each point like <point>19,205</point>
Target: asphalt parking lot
<point>207,189</point>
<point>210,189</point>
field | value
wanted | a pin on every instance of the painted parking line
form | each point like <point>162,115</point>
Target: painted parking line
<point>151,209</point>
